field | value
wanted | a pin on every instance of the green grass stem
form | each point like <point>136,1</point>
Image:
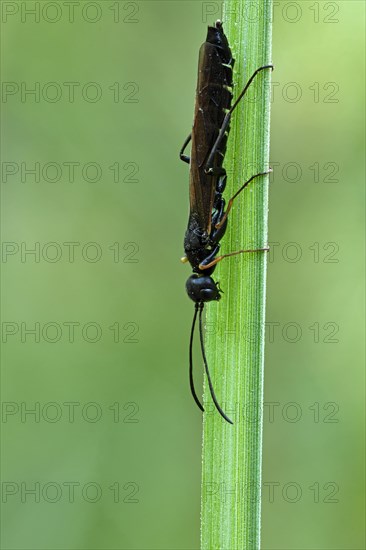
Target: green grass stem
<point>232,455</point>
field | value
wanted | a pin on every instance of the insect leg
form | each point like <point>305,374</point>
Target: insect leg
<point>183,157</point>
<point>217,229</point>
<point>230,203</point>
<point>203,266</point>
<point>209,260</point>
<point>219,207</point>
<point>225,124</point>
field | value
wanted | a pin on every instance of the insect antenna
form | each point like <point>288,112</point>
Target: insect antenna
<point>191,382</point>
<point>201,305</point>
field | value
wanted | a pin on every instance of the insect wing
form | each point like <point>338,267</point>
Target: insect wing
<point>211,99</point>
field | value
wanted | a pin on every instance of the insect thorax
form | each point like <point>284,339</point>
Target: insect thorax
<point>197,244</point>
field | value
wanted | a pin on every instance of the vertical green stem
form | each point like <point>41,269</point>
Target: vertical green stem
<point>231,477</point>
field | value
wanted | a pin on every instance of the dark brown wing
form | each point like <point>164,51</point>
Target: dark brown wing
<point>212,98</point>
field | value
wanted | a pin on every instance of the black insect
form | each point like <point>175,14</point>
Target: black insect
<point>208,215</point>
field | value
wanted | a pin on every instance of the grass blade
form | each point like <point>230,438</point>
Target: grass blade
<point>231,476</point>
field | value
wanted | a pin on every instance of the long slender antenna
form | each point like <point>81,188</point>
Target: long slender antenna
<point>191,382</point>
<point>201,305</point>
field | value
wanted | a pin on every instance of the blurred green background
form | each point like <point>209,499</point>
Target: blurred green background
<point>110,457</point>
